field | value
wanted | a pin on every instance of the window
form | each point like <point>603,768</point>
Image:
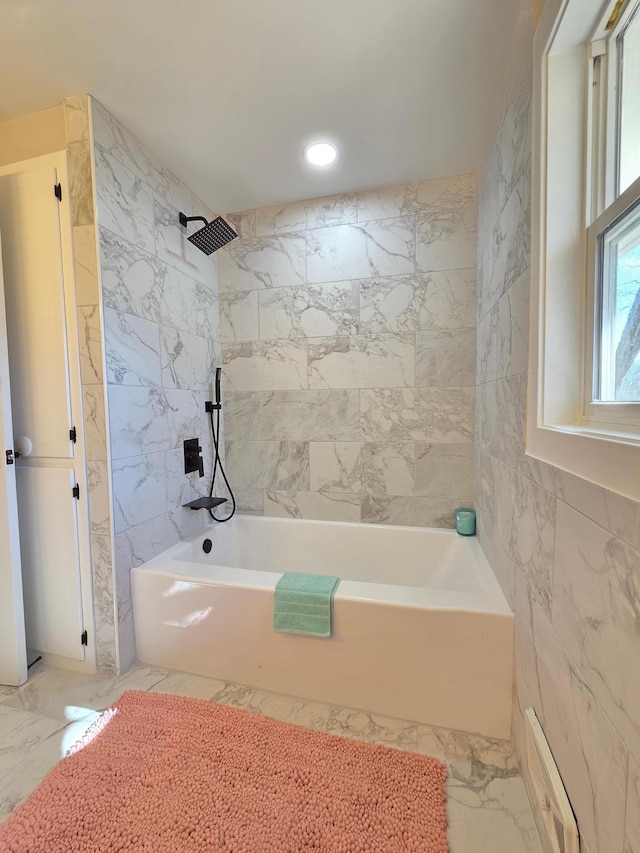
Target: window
<point>583,411</point>
<point>612,381</point>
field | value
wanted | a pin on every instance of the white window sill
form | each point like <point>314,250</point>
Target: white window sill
<point>609,459</point>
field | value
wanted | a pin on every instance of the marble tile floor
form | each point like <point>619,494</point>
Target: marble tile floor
<point>488,807</point>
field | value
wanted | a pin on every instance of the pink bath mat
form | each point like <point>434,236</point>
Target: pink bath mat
<point>167,774</point>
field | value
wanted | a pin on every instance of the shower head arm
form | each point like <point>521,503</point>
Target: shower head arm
<point>184,219</point>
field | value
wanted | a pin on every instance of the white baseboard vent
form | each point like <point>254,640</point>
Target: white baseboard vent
<point>552,803</point>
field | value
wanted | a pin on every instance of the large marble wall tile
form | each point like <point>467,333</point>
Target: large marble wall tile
<point>409,511</point>
<point>85,265</point>
<point>248,501</point>
<point>239,317</point>
<point>374,258</point>
<point>321,506</point>
<point>438,300</point>
<point>125,202</point>
<point>444,470</point>
<point>311,415</point>
<point>446,358</point>
<point>180,299</point>
<point>433,197</point>
<point>492,480</point>
<point>252,263</point>
<point>300,215</point>
<point>140,543</point>
<point>103,583</point>
<point>80,185</point>
<point>242,415</point>
<point>124,610</point>
<point>138,283</point>
<point>188,522</point>
<point>312,311</point>
<point>632,824</point>
<point>421,414</point>
<point>353,466</point>
<point>526,660</point>
<point>172,245</point>
<point>489,206</point>
<point>586,747</point>
<point>614,512</point>
<point>139,489</point>
<point>382,361</point>
<point>514,142</point>
<point>528,522</point>
<point>503,334</point>
<point>187,361</point>
<point>132,348</point>
<point>243,222</point>
<point>128,277</point>
<point>182,487</point>
<point>99,507</point>
<point>501,420</point>
<point>596,612</point>
<point>268,464</point>
<point>507,254</point>
<point>90,340</point>
<point>207,309</point>
<point>138,420</point>
<point>95,425</point>
<point>126,633</point>
<point>266,365</point>
<point>103,602</point>
<point>121,144</point>
<point>76,118</point>
<point>342,252</point>
<point>186,417</point>
<point>446,241</point>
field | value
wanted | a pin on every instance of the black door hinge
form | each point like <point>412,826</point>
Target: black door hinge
<point>57,188</point>
<point>84,639</point>
<point>76,491</point>
<point>73,435</point>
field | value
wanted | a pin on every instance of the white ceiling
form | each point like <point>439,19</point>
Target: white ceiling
<point>229,92</point>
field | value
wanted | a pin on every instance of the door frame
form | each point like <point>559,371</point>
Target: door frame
<point>12,629</point>
<point>58,161</point>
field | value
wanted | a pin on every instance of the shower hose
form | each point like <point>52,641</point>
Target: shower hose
<point>217,462</point>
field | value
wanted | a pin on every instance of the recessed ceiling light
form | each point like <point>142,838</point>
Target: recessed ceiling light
<point>321,153</point>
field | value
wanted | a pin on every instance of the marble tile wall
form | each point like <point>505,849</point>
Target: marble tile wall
<point>159,304</point>
<point>81,191</point>
<point>348,345</point>
<point>566,552</point>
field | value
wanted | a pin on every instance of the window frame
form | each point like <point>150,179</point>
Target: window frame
<point>604,205</point>
<point>603,449</point>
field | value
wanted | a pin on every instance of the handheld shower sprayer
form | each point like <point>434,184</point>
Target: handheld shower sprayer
<point>215,433</point>
<point>217,394</point>
<point>212,236</point>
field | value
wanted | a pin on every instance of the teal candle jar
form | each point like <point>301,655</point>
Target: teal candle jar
<point>465,521</point>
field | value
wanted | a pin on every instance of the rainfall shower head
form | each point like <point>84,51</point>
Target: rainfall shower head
<point>212,236</point>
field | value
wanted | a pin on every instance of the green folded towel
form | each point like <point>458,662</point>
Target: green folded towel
<point>304,604</point>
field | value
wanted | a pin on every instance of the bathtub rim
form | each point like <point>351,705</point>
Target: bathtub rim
<point>489,599</point>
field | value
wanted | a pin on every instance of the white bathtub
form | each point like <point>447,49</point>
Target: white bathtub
<point>421,628</point>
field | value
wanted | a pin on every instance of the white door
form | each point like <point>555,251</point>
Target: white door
<point>50,560</point>
<point>13,652</point>
<point>42,416</point>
